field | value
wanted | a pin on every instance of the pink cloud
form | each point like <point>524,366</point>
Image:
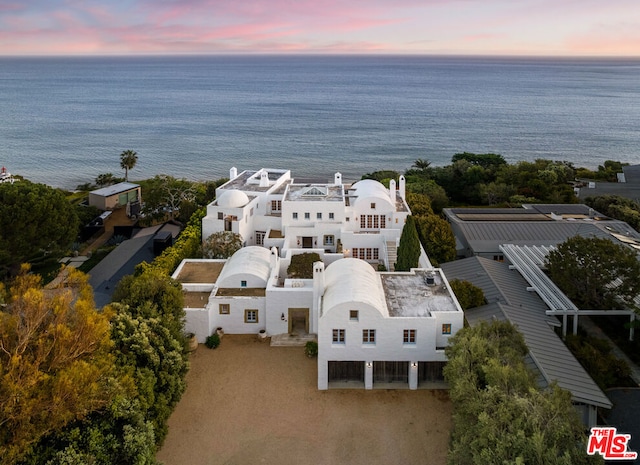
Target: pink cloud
<point>612,39</point>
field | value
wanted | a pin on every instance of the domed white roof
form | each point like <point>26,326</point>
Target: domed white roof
<point>353,280</point>
<point>233,199</point>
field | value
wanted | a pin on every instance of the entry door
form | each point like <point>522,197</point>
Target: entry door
<point>298,320</point>
<point>307,242</point>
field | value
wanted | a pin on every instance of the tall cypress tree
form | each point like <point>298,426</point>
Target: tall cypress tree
<point>409,247</point>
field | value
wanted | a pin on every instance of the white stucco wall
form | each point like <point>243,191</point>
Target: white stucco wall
<point>281,299</point>
<point>234,322</point>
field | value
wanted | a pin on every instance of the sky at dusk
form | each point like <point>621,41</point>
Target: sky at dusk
<point>463,27</point>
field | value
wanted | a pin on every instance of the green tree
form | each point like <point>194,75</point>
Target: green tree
<point>55,364</point>
<point>165,197</point>
<point>437,238</point>
<point>420,204</point>
<point>468,295</point>
<point>128,160</point>
<point>37,220</point>
<point>409,247</point>
<point>595,273</point>
<point>160,361</point>
<point>153,294</point>
<point>107,179</point>
<point>421,164</point>
<point>222,244</point>
<point>382,176</point>
<point>615,206</point>
<point>485,160</point>
<point>499,414</point>
<point>301,266</point>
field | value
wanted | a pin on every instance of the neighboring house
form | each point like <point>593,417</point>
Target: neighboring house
<point>267,208</point>
<point>374,330</point>
<point>510,297</point>
<point>628,185</point>
<point>481,231</point>
<point>115,196</point>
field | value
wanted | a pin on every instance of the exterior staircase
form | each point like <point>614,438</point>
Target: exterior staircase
<point>392,254</point>
<point>288,340</point>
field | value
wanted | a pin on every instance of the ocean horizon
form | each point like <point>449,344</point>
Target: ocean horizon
<point>65,120</point>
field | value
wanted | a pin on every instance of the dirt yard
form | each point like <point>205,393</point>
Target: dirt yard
<point>248,403</point>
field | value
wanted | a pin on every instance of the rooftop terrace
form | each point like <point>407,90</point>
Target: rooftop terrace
<point>409,295</point>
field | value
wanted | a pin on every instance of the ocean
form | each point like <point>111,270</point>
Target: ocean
<point>65,120</point>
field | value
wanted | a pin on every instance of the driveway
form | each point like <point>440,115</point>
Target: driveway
<point>249,403</point>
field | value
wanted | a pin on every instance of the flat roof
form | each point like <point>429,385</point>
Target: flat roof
<point>409,295</point>
<point>200,272</point>
<point>196,299</point>
<point>241,292</point>
<point>115,189</point>
<point>246,181</point>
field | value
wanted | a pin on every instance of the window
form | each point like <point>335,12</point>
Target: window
<point>373,221</point>
<point>276,205</point>
<point>307,215</point>
<point>260,235</point>
<point>243,283</point>
<point>409,336</point>
<point>353,315</point>
<point>373,205</point>
<point>328,240</point>
<point>251,211</point>
<point>319,216</point>
<point>498,258</point>
<point>331,215</point>
<point>347,219</point>
<point>338,336</point>
<point>220,215</point>
<point>251,316</point>
<point>446,328</point>
<point>368,336</point>
<point>224,309</point>
<point>366,253</point>
<point>295,215</point>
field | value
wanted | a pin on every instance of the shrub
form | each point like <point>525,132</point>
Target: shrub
<point>311,349</point>
<point>212,341</point>
<point>301,266</point>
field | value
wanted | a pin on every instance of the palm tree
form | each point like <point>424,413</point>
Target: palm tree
<point>128,160</point>
<point>421,164</point>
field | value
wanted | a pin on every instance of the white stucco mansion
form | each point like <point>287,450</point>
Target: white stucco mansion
<point>375,329</point>
<point>267,208</point>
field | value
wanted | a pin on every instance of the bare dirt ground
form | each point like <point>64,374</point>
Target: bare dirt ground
<point>249,403</point>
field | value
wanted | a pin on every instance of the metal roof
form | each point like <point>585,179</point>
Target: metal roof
<point>506,292</point>
<point>115,189</point>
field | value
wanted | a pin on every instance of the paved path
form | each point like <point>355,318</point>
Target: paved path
<point>592,329</point>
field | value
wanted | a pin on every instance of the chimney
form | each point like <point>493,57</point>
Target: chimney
<point>392,190</point>
<point>273,259</point>
<point>337,180</point>
<point>264,178</point>
<point>403,188</point>
<point>318,285</point>
<point>233,173</point>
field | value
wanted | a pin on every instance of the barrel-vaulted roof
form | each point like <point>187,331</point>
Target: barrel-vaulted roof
<point>369,188</point>
<point>353,280</point>
<point>252,260</point>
